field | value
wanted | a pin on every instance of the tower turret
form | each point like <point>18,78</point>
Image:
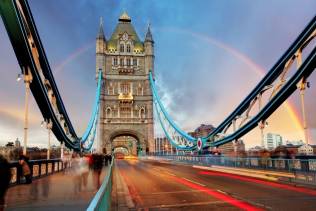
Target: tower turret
<point>100,49</point>
<point>149,51</point>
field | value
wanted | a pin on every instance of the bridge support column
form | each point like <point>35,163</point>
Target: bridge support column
<point>27,80</point>
<point>302,86</point>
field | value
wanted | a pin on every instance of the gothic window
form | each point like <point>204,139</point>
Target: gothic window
<point>125,88</point>
<point>142,113</point>
<point>111,89</point>
<point>135,62</point>
<point>108,112</point>
<point>122,48</point>
<point>140,90</point>
<point>115,61</point>
<point>122,62</point>
<point>128,61</point>
<point>125,112</point>
<point>128,48</point>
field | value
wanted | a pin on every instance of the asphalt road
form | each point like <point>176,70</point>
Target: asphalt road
<point>163,186</point>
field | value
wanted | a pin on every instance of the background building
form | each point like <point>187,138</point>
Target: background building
<point>271,141</point>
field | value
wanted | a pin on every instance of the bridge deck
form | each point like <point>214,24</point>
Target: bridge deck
<point>61,191</point>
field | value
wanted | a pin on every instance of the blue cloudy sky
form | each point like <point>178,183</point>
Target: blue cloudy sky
<point>208,55</point>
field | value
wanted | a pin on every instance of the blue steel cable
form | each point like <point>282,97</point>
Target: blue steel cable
<point>92,139</point>
<point>94,113</point>
<point>172,123</point>
<point>167,135</point>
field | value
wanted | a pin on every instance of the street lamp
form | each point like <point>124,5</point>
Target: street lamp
<point>49,125</point>
<point>27,75</point>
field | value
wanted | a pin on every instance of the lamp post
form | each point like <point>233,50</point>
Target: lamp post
<point>62,145</point>
<point>49,126</point>
<point>27,76</point>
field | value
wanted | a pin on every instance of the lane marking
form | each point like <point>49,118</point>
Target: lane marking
<point>226,198</point>
<point>194,182</point>
<point>170,173</point>
<point>262,182</point>
<point>170,192</point>
<point>223,192</point>
<point>190,204</point>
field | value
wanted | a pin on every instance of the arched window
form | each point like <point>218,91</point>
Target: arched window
<point>140,90</point>
<point>128,61</point>
<point>115,61</point>
<point>111,89</point>
<point>108,112</point>
<point>142,113</point>
<point>122,62</point>
<point>122,48</point>
<point>125,88</point>
<point>128,48</point>
<point>134,62</point>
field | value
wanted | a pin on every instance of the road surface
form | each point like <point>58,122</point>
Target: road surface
<point>163,186</point>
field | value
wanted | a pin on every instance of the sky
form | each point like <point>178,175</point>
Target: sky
<point>209,54</point>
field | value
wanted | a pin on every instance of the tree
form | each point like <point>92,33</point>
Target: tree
<point>10,144</point>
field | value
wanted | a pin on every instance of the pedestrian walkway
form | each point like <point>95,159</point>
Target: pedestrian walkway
<point>61,191</point>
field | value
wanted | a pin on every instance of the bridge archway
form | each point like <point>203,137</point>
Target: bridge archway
<point>133,141</point>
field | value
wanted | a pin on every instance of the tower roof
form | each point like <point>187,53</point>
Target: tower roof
<point>101,32</point>
<point>148,37</point>
<point>124,26</point>
<point>124,17</point>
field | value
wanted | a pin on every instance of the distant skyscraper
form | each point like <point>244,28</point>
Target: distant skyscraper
<point>271,141</point>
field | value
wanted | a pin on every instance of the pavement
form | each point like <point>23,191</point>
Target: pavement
<point>60,191</point>
<point>152,185</point>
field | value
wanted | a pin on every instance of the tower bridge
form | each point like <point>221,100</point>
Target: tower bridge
<point>122,121</point>
<point>126,98</point>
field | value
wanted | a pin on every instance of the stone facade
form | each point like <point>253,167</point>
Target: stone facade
<point>126,99</point>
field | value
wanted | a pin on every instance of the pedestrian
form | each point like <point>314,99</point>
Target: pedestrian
<point>26,171</point>
<point>5,177</point>
<point>97,168</point>
<point>84,169</point>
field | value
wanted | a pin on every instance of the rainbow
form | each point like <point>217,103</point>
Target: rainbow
<point>292,111</point>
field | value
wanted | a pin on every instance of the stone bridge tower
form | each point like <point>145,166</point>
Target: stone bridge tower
<point>126,99</point>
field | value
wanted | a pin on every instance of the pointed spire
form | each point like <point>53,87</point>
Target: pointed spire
<point>101,32</point>
<point>124,17</point>
<point>149,37</point>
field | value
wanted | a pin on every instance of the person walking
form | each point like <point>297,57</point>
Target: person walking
<point>5,177</point>
<point>26,171</point>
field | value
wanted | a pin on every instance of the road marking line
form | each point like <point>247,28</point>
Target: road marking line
<point>194,182</point>
<point>170,173</point>
<point>222,192</point>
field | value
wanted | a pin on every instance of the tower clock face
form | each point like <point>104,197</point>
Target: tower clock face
<point>125,36</point>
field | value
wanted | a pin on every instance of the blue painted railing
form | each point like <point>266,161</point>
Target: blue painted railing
<point>102,199</point>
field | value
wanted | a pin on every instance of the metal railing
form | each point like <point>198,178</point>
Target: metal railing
<point>285,165</point>
<point>39,168</point>
<point>102,199</point>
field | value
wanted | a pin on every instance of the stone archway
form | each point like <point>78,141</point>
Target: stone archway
<point>118,149</point>
<point>141,142</point>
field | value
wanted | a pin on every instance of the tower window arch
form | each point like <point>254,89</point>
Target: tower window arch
<point>142,113</point>
<point>115,61</point>
<point>110,89</point>
<point>135,62</point>
<point>140,90</point>
<point>122,62</point>
<point>108,112</point>
<point>128,48</point>
<point>128,61</point>
<point>122,48</point>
